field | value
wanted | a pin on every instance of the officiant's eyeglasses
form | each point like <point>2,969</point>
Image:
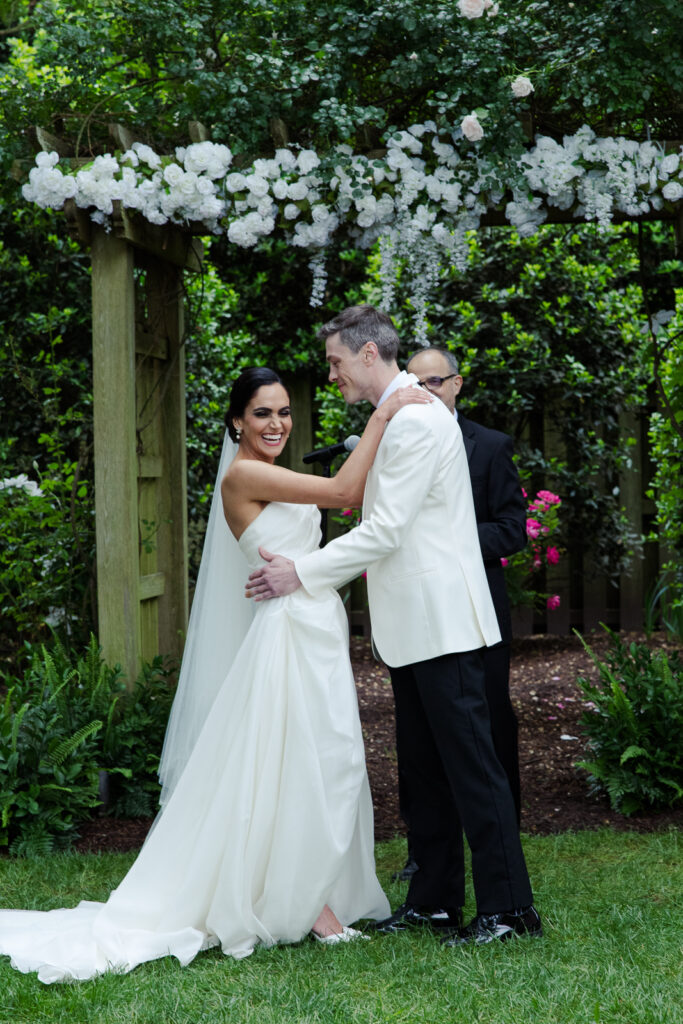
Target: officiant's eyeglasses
<point>435,382</point>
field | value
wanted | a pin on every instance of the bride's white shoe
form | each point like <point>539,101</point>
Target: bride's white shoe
<point>345,935</point>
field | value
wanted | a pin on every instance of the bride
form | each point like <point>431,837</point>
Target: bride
<point>265,830</point>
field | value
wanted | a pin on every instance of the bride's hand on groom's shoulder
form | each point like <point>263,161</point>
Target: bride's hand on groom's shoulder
<point>402,397</point>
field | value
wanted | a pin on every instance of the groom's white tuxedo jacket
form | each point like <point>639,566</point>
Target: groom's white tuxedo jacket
<point>418,540</point>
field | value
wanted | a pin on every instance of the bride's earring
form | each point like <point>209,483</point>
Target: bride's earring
<point>238,433</point>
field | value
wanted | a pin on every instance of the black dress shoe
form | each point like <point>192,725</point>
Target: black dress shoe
<point>406,872</point>
<point>408,916</point>
<point>491,927</point>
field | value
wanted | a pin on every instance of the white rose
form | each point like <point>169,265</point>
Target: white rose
<point>47,159</point>
<point>280,188</point>
<point>173,174</point>
<point>286,159</point>
<point>238,234</point>
<point>672,191</point>
<point>669,164</point>
<point>471,128</point>
<point>267,168</point>
<point>442,149</point>
<point>257,185</point>
<point>297,190</point>
<point>188,185</point>
<point>492,9</point>
<point>307,160</point>
<point>236,182</point>
<point>147,155</point>
<point>291,211</point>
<point>155,216</point>
<point>471,8</point>
<point>521,87</point>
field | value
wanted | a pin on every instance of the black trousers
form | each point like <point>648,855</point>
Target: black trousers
<point>453,781</point>
<point>504,727</point>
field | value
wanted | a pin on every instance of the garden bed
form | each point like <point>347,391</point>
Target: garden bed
<point>548,705</point>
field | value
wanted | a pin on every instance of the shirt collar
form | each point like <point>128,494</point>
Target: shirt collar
<point>401,380</point>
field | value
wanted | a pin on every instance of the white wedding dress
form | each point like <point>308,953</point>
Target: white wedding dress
<point>270,819</point>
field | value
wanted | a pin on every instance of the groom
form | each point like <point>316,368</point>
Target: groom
<point>431,615</point>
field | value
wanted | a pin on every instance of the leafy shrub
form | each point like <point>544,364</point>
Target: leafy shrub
<point>61,725</point>
<point>48,769</point>
<point>634,723</point>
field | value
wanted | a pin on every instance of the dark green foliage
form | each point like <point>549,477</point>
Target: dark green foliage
<point>634,728</point>
<point>337,72</point>
<point>62,723</point>
<point>46,542</point>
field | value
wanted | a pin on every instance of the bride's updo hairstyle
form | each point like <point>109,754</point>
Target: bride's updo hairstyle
<point>244,388</point>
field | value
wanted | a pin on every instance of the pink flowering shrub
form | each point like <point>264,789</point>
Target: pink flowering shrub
<point>522,571</point>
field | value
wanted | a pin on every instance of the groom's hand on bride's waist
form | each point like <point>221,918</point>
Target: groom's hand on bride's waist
<point>275,579</point>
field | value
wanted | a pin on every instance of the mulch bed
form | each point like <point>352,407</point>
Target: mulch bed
<point>548,704</point>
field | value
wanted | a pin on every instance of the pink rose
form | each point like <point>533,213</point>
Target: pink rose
<point>533,528</point>
<point>537,563</point>
<point>504,562</point>
<point>347,512</point>
<point>553,602</point>
<point>549,497</point>
<point>524,493</point>
<point>553,556</point>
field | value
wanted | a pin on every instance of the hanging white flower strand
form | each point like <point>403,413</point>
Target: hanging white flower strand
<point>319,271</point>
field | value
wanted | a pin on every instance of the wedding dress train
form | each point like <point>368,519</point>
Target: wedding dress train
<point>271,818</point>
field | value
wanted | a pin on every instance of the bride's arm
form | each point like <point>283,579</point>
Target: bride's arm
<point>261,481</point>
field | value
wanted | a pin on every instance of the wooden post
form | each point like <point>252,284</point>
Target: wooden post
<point>139,414</point>
<point>115,459</point>
<point>161,442</point>
<point>301,438</point>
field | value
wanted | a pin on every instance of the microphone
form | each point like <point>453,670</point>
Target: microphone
<point>327,454</point>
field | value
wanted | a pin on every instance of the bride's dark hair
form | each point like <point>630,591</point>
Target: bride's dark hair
<point>246,385</point>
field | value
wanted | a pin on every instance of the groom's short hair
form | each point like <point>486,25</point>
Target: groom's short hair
<point>357,325</point>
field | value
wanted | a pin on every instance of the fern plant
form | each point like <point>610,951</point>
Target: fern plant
<point>48,773</point>
<point>64,722</point>
<point>634,723</point>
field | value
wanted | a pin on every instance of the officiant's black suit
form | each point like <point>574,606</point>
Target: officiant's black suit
<point>500,511</point>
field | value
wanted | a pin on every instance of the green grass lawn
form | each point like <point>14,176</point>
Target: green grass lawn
<point>612,952</point>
